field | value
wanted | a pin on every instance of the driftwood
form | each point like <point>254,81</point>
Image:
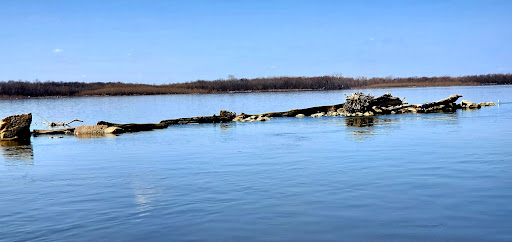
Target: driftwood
<point>223,117</point>
<point>304,111</point>
<point>451,99</point>
<point>358,102</point>
<point>397,108</point>
<point>386,100</point>
<point>60,123</point>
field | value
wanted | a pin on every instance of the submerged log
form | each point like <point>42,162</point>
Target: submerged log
<point>223,117</point>
<point>53,131</point>
<point>304,111</point>
<point>133,127</point>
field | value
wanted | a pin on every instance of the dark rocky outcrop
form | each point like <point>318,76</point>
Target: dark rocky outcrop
<point>16,127</point>
<point>223,117</point>
<point>304,111</point>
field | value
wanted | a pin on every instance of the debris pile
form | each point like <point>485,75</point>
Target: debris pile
<point>357,104</point>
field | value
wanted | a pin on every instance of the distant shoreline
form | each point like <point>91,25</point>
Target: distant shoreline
<point>234,92</point>
<point>24,90</point>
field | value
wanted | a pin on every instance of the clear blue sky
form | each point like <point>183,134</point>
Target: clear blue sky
<point>176,41</point>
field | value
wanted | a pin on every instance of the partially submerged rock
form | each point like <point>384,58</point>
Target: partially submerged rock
<point>332,114</point>
<point>98,130</point>
<point>469,105</point>
<point>262,119</point>
<point>114,130</point>
<point>91,129</point>
<point>16,127</point>
<point>250,118</point>
<point>487,104</point>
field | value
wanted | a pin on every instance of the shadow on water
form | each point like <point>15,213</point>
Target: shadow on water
<point>17,153</point>
<point>226,127</point>
<point>365,128</point>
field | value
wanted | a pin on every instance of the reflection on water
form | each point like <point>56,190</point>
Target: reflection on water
<point>442,116</point>
<point>17,153</point>
<point>144,193</point>
<point>226,127</point>
<point>360,121</point>
<point>362,128</point>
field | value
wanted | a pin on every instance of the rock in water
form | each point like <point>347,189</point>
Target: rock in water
<point>114,130</point>
<point>317,115</point>
<point>469,105</point>
<point>91,129</point>
<point>16,127</point>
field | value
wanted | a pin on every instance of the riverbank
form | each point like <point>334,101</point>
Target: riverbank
<point>408,85</point>
<point>20,89</point>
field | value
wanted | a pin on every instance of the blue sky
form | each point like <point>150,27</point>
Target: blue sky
<point>176,41</point>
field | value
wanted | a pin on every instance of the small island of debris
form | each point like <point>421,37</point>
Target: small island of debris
<point>17,127</point>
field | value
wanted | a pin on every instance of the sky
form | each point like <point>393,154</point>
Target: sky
<point>158,42</point>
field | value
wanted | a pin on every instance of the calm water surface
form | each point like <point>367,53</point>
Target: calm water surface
<point>397,178</point>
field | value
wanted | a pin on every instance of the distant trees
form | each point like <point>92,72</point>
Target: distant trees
<point>233,84</point>
<point>336,82</point>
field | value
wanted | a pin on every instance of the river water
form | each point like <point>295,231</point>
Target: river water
<point>443,176</point>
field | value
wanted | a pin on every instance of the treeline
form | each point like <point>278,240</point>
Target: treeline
<point>51,88</point>
<point>339,82</point>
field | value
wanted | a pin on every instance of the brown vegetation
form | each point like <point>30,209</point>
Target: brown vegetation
<point>12,89</point>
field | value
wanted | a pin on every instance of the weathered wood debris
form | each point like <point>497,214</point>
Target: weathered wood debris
<point>357,104</point>
<point>60,123</point>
